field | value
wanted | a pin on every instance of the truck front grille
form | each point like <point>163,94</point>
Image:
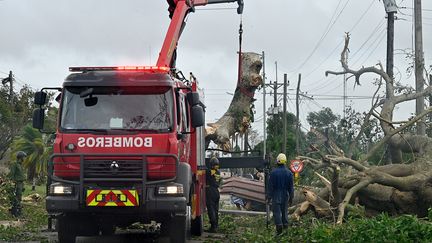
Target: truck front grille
<point>113,168</point>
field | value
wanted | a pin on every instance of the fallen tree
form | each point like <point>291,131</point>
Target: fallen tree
<point>239,114</point>
<point>397,187</point>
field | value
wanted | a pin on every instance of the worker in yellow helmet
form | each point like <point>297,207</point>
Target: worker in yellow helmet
<point>281,192</point>
<point>213,181</point>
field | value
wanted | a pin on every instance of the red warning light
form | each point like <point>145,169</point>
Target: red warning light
<point>121,68</point>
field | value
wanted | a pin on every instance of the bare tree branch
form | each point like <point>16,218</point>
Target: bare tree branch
<point>349,194</point>
<point>393,132</point>
<point>342,160</point>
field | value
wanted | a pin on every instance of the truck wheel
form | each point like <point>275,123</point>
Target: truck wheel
<point>66,229</point>
<point>107,229</point>
<point>178,229</point>
<point>197,226</point>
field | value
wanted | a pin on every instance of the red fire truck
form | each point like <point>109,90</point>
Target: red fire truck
<point>129,145</point>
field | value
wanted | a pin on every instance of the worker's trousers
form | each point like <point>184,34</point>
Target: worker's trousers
<point>212,203</point>
<point>16,200</point>
<point>280,214</point>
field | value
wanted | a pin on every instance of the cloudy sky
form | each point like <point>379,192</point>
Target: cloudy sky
<point>40,39</point>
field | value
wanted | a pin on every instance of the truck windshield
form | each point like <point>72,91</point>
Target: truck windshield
<point>123,108</point>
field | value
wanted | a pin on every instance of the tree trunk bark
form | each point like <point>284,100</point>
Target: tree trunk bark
<point>240,112</point>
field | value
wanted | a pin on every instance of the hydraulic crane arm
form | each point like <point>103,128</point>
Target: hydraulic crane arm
<point>179,9</point>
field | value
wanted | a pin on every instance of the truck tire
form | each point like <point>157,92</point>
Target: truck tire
<point>197,226</point>
<point>177,228</point>
<point>107,229</point>
<point>66,229</point>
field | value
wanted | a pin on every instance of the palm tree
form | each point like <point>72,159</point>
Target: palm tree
<point>38,149</point>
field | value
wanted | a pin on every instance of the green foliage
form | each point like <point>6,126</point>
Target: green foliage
<point>14,114</point>
<point>37,148</point>
<point>344,132</point>
<point>323,118</point>
<point>275,135</point>
<point>382,228</point>
<point>6,193</point>
<point>34,218</point>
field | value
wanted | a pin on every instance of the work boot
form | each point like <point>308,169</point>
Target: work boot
<point>278,229</point>
<point>285,226</point>
<point>212,229</point>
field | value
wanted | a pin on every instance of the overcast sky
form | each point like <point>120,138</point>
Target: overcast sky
<point>40,39</point>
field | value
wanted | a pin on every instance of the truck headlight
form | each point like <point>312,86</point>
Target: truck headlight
<point>60,189</point>
<point>171,189</point>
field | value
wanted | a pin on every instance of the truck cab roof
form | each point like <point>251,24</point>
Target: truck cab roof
<point>119,78</point>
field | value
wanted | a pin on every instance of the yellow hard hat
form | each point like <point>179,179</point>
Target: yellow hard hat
<point>281,159</point>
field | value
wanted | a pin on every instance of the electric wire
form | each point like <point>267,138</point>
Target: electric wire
<point>376,47</point>
<point>342,41</point>
<point>324,35</point>
<point>372,45</point>
<point>374,31</point>
<point>379,26</point>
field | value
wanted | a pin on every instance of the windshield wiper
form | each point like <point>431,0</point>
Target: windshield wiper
<point>122,131</point>
<point>91,131</point>
<point>117,131</point>
<point>139,130</point>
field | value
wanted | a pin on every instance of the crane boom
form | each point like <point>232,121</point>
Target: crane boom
<point>179,9</point>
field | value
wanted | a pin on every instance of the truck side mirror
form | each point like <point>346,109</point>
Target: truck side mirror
<point>90,101</point>
<point>40,98</point>
<point>198,117</point>
<point>38,118</point>
<point>193,98</point>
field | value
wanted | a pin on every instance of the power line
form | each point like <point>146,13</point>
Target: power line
<point>410,15</point>
<point>377,27</point>
<point>324,35</point>
<point>423,9</point>
<point>342,41</point>
<point>325,60</point>
<point>376,47</point>
<point>377,39</point>
<point>362,16</point>
<point>374,31</point>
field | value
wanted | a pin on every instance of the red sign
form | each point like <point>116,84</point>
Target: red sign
<point>296,166</point>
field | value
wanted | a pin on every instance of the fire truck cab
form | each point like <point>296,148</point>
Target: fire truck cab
<point>129,145</point>
<point>128,148</point>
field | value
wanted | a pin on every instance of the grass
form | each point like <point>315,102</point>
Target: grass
<point>34,218</point>
<point>383,228</point>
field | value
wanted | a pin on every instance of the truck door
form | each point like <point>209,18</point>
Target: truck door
<point>183,128</point>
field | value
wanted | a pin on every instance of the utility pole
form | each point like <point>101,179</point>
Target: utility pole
<point>11,87</point>
<point>275,87</point>
<point>264,108</point>
<point>391,9</point>
<point>285,113</point>
<point>9,80</point>
<point>390,45</point>
<point>430,105</point>
<point>298,116</point>
<point>419,64</point>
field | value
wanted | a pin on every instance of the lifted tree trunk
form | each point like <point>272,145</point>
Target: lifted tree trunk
<point>240,112</point>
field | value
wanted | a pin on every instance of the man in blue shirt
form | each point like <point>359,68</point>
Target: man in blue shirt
<point>281,192</point>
